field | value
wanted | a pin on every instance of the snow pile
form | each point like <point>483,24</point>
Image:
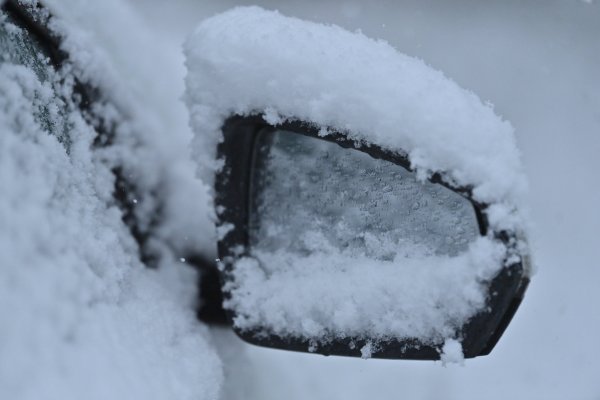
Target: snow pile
<point>328,295</point>
<point>248,61</point>
<point>452,353</point>
<point>80,316</point>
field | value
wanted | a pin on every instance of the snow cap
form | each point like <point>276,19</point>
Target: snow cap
<point>249,60</point>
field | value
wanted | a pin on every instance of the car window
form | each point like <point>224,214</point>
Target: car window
<point>20,47</point>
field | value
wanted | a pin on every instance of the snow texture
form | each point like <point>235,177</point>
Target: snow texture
<point>452,353</point>
<point>248,61</point>
<point>539,64</point>
<point>80,316</point>
<point>153,135</point>
<point>327,296</point>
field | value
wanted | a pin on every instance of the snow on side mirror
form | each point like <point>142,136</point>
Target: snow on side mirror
<point>334,247</point>
<point>366,204</point>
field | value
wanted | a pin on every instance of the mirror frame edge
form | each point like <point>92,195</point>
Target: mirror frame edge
<point>232,183</point>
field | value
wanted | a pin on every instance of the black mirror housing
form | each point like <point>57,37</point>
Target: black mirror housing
<point>478,335</point>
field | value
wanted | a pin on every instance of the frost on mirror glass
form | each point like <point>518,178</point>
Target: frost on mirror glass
<point>345,245</point>
<point>310,195</point>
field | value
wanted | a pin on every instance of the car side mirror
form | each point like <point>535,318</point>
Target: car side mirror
<point>335,246</point>
<point>366,204</point>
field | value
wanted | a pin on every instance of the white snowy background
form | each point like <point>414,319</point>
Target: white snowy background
<point>538,63</point>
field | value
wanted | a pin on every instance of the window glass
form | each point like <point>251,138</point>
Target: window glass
<point>20,47</point>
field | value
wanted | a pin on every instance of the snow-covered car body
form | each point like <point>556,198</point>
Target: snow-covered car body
<point>78,301</point>
<point>84,100</point>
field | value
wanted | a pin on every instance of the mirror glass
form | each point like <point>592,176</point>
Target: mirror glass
<point>343,245</point>
<point>311,195</point>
